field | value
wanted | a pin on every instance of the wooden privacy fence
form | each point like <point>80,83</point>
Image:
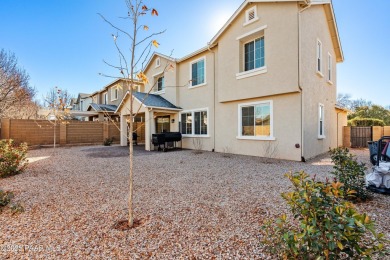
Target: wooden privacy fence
<point>359,136</point>
<point>41,132</point>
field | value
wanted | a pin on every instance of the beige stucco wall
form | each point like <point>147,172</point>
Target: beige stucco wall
<point>316,89</point>
<point>190,98</point>
<point>170,72</point>
<point>293,110</point>
<point>281,56</point>
<point>286,127</point>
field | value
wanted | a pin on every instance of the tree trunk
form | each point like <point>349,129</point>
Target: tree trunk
<point>131,148</point>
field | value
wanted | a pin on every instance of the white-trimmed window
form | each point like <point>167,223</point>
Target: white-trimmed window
<point>319,57</point>
<point>105,98</point>
<point>256,120</point>
<point>251,15</point>
<point>114,93</point>
<point>158,63</point>
<point>160,84</point>
<point>330,71</point>
<point>321,121</point>
<point>194,122</point>
<point>254,54</point>
<point>198,72</point>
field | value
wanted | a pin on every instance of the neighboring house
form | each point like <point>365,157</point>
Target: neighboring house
<point>72,105</point>
<point>80,105</point>
<point>105,102</point>
<point>264,86</point>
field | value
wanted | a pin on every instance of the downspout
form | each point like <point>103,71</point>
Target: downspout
<point>308,5</point>
<point>213,52</point>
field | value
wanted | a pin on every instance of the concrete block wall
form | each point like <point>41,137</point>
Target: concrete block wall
<point>377,133</point>
<point>41,132</point>
<point>386,130</point>
<point>347,136</point>
<point>78,132</point>
<point>114,132</point>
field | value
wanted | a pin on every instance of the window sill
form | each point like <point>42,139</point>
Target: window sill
<point>319,73</point>
<point>114,99</point>
<point>192,136</point>
<point>159,92</point>
<point>258,138</point>
<point>321,137</point>
<point>197,86</point>
<point>251,73</point>
<point>251,21</point>
<point>330,82</point>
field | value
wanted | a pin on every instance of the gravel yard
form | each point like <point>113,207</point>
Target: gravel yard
<point>191,205</point>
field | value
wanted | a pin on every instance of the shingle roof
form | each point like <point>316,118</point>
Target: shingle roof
<point>151,100</point>
<point>103,108</point>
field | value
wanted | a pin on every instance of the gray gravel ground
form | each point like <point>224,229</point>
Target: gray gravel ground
<point>207,205</point>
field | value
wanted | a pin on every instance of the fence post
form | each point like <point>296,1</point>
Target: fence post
<point>377,133</point>
<point>63,126</point>
<point>347,137</point>
<point>106,129</point>
<point>5,128</point>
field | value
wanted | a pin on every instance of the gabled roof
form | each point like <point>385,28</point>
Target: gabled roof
<point>328,10</point>
<point>160,55</point>
<point>102,107</point>
<point>149,101</point>
<point>80,96</point>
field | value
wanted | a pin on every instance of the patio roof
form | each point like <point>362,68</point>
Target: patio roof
<point>149,101</point>
<point>102,107</point>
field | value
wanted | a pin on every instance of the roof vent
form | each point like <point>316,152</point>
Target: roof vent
<point>251,15</point>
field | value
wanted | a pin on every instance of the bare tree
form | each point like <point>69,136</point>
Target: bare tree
<point>59,98</point>
<point>27,109</point>
<point>344,100</point>
<point>131,66</point>
<point>14,85</point>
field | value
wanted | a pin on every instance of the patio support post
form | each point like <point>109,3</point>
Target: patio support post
<point>123,131</point>
<point>149,124</point>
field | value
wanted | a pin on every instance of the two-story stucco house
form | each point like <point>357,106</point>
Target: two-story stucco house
<point>265,85</point>
<point>105,101</point>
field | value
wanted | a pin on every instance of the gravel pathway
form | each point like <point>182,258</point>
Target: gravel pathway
<point>207,205</point>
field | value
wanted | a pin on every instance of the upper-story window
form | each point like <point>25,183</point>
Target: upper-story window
<point>114,93</point>
<point>158,63</point>
<point>330,64</point>
<point>160,84</point>
<point>254,54</point>
<point>198,72</point>
<point>251,15</point>
<point>319,57</point>
<point>81,105</point>
<point>105,98</point>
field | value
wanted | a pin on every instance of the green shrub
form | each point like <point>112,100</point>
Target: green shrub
<point>5,200</point>
<point>324,225</point>
<point>357,121</point>
<point>349,172</point>
<point>108,141</point>
<point>12,158</point>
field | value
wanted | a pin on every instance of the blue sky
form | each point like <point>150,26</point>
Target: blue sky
<point>63,43</point>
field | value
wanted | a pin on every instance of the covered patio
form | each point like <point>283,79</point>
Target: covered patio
<point>153,111</point>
